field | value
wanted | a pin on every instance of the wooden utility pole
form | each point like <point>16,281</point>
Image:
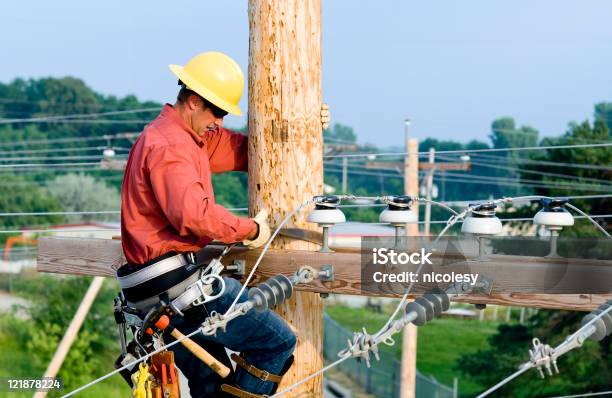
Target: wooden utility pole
<point>286,148</point>
<point>345,175</point>
<point>432,162</point>
<point>409,338</point>
<point>411,174</point>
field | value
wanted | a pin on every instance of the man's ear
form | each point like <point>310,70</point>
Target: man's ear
<point>193,102</point>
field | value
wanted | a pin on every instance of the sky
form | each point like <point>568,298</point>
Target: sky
<point>452,67</point>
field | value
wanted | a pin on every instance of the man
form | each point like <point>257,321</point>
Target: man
<point>168,209</point>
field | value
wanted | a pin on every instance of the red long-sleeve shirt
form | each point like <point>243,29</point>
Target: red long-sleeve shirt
<point>167,198</point>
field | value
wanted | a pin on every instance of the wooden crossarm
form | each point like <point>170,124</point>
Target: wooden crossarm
<point>101,257</point>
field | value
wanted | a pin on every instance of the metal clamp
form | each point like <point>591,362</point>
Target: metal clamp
<point>360,347</point>
<point>218,321</point>
<point>542,356</point>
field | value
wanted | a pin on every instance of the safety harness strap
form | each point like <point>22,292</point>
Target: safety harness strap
<point>239,392</point>
<point>260,374</point>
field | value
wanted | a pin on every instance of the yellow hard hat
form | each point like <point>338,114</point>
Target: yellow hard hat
<point>216,77</point>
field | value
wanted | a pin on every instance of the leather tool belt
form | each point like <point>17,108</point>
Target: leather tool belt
<point>174,277</point>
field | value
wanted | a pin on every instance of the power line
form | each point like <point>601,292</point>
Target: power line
<point>510,149</point>
<point>365,173</point>
<point>48,182</point>
<point>589,394</point>
<point>50,158</point>
<point>465,203</point>
<point>513,219</point>
<point>484,180</point>
<point>567,176</point>
<point>54,150</point>
<point>50,213</point>
<point>589,196</point>
<point>38,231</point>
<point>358,166</point>
<point>475,180</point>
<point>56,213</point>
<point>88,121</point>
<point>524,180</point>
<point>49,118</point>
<point>26,165</point>
<point>546,163</point>
<point>510,168</point>
<point>71,139</point>
<point>58,170</point>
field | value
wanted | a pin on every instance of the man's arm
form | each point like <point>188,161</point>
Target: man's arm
<point>227,150</point>
<point>185,201</point>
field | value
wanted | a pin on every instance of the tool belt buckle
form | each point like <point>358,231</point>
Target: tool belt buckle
<point>265,375</point>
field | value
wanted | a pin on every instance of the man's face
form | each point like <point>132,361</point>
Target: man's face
<point>204,118</point>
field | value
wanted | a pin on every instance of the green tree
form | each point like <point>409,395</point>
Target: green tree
<point>585,369</point>
<point>23,196</point>
<point>603,111</point>
<point>582,178</point>
<point>340,133</point>
<point>79,192</point>
<point>231,189</point>
<point>505,134</point>
<point>71,96</point>
<point>53,304</point>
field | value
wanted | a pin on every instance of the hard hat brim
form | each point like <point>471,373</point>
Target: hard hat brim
<point>194,85</point>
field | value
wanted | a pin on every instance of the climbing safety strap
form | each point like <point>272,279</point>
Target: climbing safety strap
<point>254,371</point>
<point>239,392</point>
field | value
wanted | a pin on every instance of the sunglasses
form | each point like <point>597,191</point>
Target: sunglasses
<point>216,111</point>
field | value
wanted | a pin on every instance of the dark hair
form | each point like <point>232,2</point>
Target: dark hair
<point>183,96</point>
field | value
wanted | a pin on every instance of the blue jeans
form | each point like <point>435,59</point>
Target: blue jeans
<point>263,338</point>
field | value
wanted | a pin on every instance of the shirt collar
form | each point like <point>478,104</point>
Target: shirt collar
<point>169,112</point>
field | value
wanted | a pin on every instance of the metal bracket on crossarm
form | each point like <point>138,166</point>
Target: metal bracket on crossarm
<point>238,267</point>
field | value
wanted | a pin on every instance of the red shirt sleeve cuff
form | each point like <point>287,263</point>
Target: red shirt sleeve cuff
<point>245,228</point>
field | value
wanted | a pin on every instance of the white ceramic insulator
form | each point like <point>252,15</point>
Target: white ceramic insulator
<point>397,216</point>
<point>553,219</point>
<point>482,226</point>
<point>326,217</point>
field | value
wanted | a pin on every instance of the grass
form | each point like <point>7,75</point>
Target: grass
<point>439,343</point>
<point>21,361</point>
<point>21,365</point>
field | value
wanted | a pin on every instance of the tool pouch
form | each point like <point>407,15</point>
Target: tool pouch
<point>167,380</point>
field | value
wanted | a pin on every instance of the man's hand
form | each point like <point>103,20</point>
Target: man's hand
<point>325,117</point>
<point>260,237</point>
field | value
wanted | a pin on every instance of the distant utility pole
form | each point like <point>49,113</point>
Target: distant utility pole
<point>411,174</point>
<point>432,161</point>
<point>409,340</point>
<point>344,175</point>
<point>71,333</point>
